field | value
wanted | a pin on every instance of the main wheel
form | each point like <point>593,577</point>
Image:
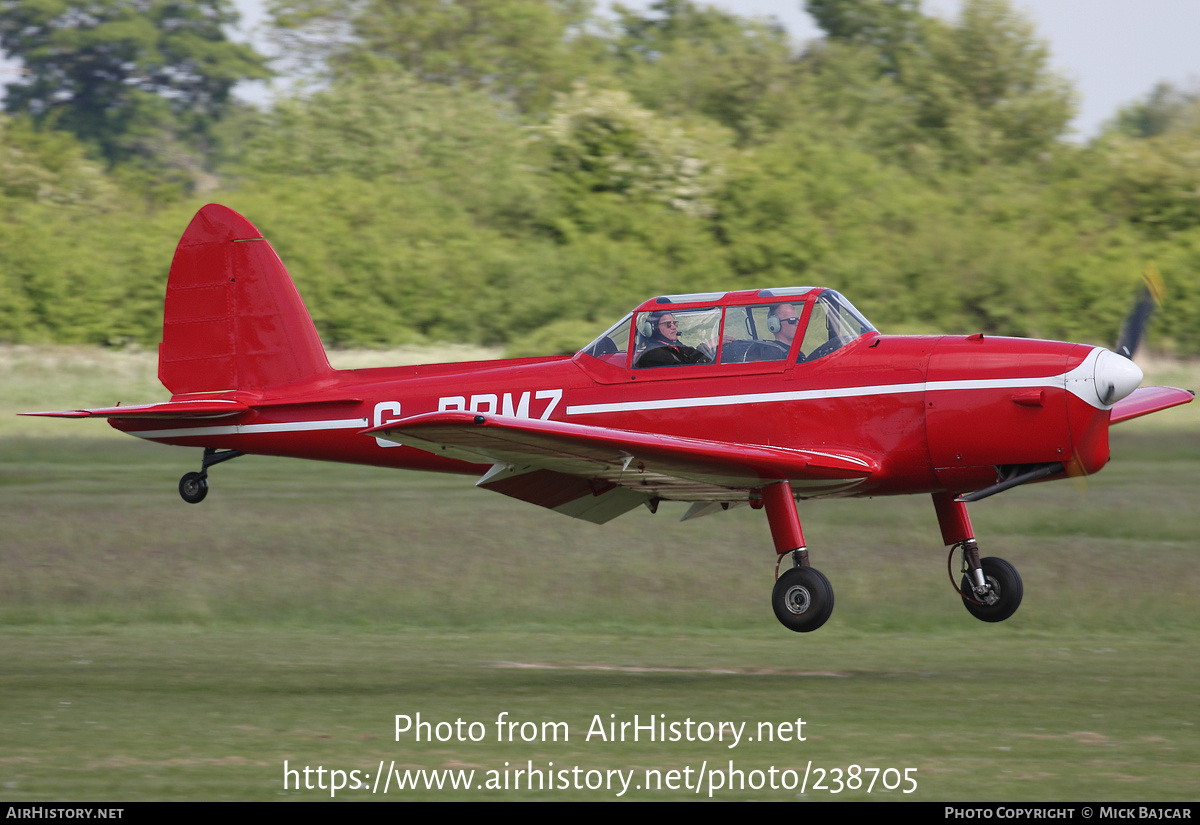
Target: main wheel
<point>193,487</point>
<point>803,599</point>
<point>1006,584</point>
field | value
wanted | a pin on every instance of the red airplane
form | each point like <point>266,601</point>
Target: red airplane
<point>718,399</point>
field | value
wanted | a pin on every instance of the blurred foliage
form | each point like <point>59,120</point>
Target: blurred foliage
<point>141,82</point>
<point>601,142</point>
<point>521,51</point>
<point>47,166</point>
<point>686,60</point>
<point>521,172</point>
<point>1167,108</point>
<point>960,94</point>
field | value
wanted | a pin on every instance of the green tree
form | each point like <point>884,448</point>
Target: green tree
<point>1154,183</point>
<point>984,87</point>
<point>683,60</point>
<point>391,129</point>
<point>1167,108</point>
<point>887,27</point>
<point>44,166</point>
<point>522,50</point>
<point>975,90</point>
<point>602,142</point>
<point>118,72</point>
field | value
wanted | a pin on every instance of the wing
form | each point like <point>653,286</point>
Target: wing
<point>1148,400</point>
<point>596,473</point>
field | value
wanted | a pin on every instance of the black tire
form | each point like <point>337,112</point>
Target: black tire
<point>1005,581</point>
<point>803,599</point>
<point>193,487</point>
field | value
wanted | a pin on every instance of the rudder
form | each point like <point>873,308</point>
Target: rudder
<point>233,318</point>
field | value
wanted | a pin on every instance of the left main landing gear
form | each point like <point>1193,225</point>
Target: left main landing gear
<point>802,598</point>
<point>193,487</point>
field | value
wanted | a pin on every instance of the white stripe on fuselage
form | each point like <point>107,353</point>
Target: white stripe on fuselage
<point>245,429</point>
<point>1057,381</point>
<point>741,398</point>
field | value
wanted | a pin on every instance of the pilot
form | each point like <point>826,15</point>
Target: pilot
<point>782,322</point>
<point>660,336</point>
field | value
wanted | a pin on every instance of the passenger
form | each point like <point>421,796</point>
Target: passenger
<point>662,343</point>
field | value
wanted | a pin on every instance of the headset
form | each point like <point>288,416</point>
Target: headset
<point>648,323</point>
<point>774,325</point>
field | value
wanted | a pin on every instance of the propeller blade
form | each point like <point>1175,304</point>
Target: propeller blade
<point>1150,297</point>
<point>1077,473</point>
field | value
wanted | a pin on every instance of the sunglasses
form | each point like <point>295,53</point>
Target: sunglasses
<point>668,323</point>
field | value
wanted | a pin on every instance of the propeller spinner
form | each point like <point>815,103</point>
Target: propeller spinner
<point>1116,377</point>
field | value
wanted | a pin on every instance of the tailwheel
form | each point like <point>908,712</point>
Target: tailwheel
<point>803,599</point>
<point>999,597</point>
<point>193,487</point>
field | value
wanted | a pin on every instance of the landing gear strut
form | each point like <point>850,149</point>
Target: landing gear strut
<point>193,487</point>
<point>802,598</point>
<point>991,588</point>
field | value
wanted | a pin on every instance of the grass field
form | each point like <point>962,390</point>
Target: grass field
<point>155,650</point>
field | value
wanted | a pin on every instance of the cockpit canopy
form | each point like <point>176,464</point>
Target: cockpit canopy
<point>794,324</point>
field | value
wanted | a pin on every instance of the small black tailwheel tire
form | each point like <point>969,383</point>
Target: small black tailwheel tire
<point>193,487</point>
<point>1006,584</point>
<point>803,599</point>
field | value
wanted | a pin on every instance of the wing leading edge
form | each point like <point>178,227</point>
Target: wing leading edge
<point>596,473</point>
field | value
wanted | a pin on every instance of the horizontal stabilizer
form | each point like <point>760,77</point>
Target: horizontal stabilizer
<point>212,408</point>
<point>1148,400</point>
<point>305,401</point>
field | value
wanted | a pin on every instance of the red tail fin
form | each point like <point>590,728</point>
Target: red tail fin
<point>233,318</point>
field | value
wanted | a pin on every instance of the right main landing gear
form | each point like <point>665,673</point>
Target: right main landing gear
<point>991,588</point>
<point>1000,595</point>
<point>193,487</point>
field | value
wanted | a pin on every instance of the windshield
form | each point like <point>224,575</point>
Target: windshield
<point>833,324</point>
<point>612,345</point>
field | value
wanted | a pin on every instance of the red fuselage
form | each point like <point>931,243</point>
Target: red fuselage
<point>940,412</point>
